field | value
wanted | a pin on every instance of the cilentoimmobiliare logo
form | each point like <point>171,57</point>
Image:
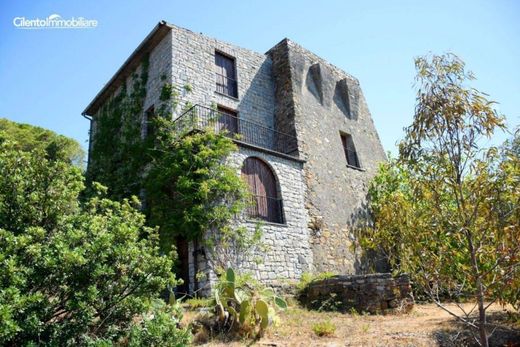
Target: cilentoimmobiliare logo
<point>54,21</point>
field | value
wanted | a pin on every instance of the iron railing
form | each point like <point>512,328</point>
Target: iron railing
<point>266,208</point>
<point>227,85</point>
<point>202,118</point>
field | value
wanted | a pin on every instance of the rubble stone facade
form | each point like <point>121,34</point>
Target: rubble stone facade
<point>289,90</point>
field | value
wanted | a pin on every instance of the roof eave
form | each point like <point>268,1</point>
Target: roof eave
<point>133,61</point>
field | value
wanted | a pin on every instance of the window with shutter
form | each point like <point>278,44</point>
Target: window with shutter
<point>261,180</point>
<point>226,75</point>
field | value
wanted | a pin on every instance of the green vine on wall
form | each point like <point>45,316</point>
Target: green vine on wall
<point>190,190</point>
<point>118,154</point>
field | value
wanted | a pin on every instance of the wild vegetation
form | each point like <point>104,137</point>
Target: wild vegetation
<point>88,264</point>
<point>74,272</point>
<point>447,210</point>
<point>181,175</point>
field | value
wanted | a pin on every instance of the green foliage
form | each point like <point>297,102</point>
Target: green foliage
<point>324,329</point>
<point>70,274</point>
<point>160,327</point>
<point>190,188</point>
<point>447,211</point>
<point>28,138</point>
<point>308,277</point>
<point>34,190</point>
<point>191,192</point>
<point>244,308</point>
<point>118,153</point>
<point>195,303</point>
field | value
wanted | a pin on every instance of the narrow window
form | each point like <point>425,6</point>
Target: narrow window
<point>227,120</point>
<point>350,150</point>
<point>261,180</point>
<point>147,129</point>
<point>226,75</point>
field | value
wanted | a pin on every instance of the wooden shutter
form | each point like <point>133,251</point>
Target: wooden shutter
<point>262,185</point>
<point>227,120</point>
<point>226,75</point>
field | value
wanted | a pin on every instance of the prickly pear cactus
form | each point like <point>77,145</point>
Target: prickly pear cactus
<point>245,307</point>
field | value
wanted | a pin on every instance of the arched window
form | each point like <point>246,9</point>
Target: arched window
<point>267,202</point>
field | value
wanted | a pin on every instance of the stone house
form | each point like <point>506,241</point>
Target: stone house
<point>308,145</point>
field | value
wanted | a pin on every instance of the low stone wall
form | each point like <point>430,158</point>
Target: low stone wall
<point>375,293</point>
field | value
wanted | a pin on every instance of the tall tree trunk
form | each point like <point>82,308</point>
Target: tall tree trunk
<point>482,321</point>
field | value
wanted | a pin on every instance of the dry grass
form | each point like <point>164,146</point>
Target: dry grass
<point>425,325</point>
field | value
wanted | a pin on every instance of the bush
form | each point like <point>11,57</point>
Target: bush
<point>324,329</point>
<point>195,303</point>
<point>71,273</point>
<point>161,327</point>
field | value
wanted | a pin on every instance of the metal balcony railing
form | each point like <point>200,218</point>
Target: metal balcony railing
<point>227,85</point>
<point>241,130</point>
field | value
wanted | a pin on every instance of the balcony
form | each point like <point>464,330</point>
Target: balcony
<point>246,132</point>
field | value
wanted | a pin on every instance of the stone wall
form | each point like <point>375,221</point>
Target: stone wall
<point>194,65</point>
<point>318,101</point>
<point>287,253</point>
<point>376,293</point>
<point>291,90</point>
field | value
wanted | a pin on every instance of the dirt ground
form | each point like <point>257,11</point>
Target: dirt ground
<point>425,325</point>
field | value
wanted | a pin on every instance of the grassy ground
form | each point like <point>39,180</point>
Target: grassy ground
<point>425,325</point>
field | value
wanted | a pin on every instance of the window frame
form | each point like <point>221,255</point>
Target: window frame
<point>234,80</point>
<point>349,149</point>
<point>149,114</point>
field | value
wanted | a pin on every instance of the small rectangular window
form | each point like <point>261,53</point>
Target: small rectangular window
<point>226,75</point>
<point>148,124</point>
<point>350,150</point>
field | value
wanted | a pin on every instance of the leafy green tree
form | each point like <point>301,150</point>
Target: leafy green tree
<point>71,273</point>
<point>193,193</point>
<point>447,211</point>
<point>189,184</point>
<point>29,137</point>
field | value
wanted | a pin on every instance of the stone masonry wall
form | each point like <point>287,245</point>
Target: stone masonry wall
<point>288,251</point>
<point>194,65</point>
<point>292,90</point>
<point>324,102</point>
<point>377,293</point>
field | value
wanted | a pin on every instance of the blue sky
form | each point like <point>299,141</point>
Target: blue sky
<point>47,77</point>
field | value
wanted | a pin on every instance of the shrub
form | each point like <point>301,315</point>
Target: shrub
<point>160,327</point>
<point>71,273</point>
<point>324,329</point>
<point>308,277</point>
<point>195,303</point>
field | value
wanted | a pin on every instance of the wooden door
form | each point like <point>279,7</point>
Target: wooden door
<point>227,120</point>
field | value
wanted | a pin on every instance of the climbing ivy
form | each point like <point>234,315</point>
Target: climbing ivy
<point>118,154</point>
<point>190,191</point>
